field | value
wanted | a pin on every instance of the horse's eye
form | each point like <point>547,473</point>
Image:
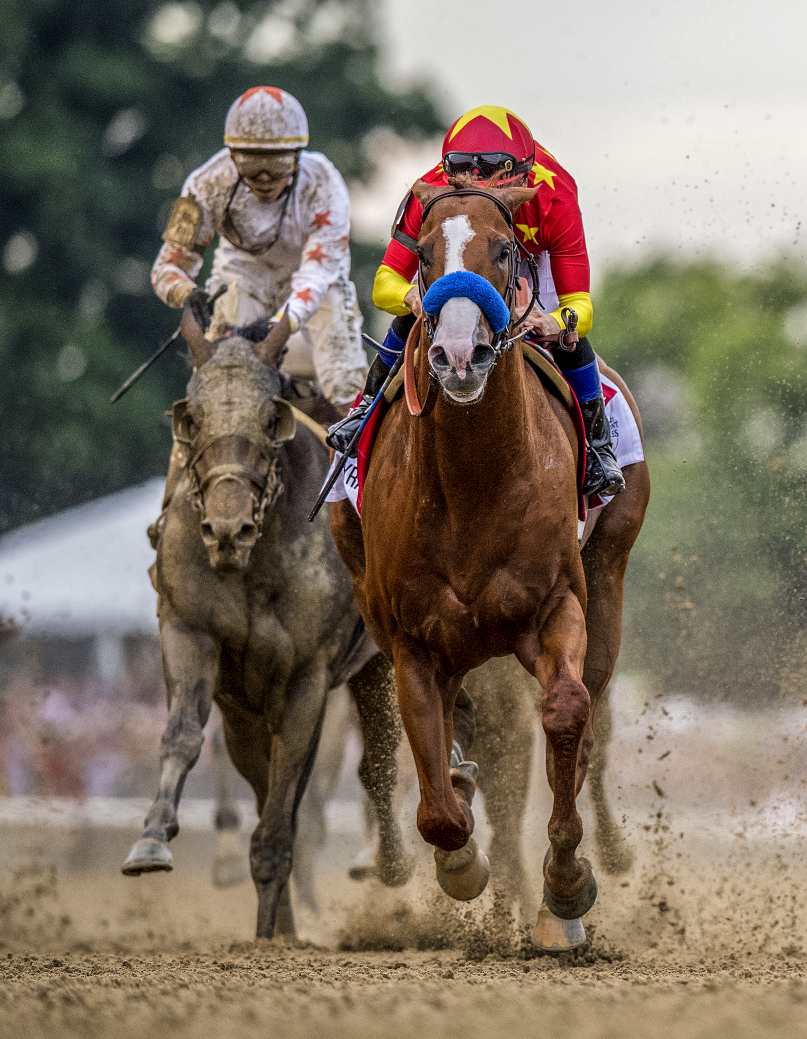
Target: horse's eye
<point>504,254</point>
<point>424,259</point>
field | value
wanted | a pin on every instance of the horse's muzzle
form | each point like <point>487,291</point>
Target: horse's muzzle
<point>229,543</point>
<point>467,384</point>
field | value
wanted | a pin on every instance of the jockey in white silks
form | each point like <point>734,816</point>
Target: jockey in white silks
<point>282,217</point>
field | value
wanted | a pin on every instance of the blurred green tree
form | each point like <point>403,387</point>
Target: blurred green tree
<point>717,586</point>
<point>106,106</point>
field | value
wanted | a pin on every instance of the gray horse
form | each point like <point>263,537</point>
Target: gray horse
<point>256,613</point>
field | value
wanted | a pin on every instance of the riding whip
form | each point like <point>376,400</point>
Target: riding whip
<point>323,494</point>
<point>141,371</point>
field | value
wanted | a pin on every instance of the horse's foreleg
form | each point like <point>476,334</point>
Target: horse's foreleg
<point>190,662</point>
<point>569,885</point>
<point>373,690</point>
<point>444,815</point>
<point>427,706</point>
<point>294,747</point>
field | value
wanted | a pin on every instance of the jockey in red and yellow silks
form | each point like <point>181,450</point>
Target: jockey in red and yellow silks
<point>483,142</point>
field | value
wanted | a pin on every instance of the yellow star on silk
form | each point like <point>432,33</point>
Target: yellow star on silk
<point>494,113</point>
<point>542,174</point>
<point>528,232</point>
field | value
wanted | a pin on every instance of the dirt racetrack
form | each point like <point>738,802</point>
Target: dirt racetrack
<point>704,937</point>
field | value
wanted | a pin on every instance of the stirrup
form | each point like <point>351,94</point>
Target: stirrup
<point>342,432</point>
<point>603,475</point>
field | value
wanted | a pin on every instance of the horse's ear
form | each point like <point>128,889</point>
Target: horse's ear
<point>201,349</point>
<point>270,350</point>
<point>514,197</point>
<point>425,193</point>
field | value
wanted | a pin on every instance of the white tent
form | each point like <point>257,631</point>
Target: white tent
<point>84,572</point>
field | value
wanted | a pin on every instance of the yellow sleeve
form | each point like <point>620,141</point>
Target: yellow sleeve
<point>580,302</point>
<point>389,289</point>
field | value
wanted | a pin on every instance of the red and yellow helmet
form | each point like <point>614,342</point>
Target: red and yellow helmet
<point>489,140</point>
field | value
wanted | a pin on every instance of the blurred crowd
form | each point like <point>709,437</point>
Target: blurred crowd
<point>72,735</point>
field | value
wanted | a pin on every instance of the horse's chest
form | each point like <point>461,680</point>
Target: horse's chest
<point>473,612</point>
<point>461,630</point>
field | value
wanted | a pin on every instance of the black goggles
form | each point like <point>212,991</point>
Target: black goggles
<point>486,163</point>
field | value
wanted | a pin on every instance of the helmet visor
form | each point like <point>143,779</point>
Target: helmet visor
<point>278,165</point>
<point>484,163</point>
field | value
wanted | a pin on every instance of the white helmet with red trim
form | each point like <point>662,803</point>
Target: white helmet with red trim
<point>266,119</point>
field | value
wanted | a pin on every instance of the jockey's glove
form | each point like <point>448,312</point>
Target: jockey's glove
<point>201,307</point>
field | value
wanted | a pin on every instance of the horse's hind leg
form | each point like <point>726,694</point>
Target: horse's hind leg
<point>605,559</point>
<point>311,826</point>
<point>293,749</point>
<point>569,885</point>
<point>614,853</point>
<point>230,863</point>
<point>373,690</point>
<point>505,697</point>
<point>190,661</point>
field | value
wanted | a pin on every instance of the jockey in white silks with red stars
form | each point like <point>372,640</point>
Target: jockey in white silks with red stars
<point>282,216</point>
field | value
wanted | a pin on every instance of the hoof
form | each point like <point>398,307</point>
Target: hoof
<point>556,935</point>
<point>363,866</point>
<point>230,866</point>
<point>148,856</point>
<point>569,908</point>
<point>463,874</point>
<point>572,908</point>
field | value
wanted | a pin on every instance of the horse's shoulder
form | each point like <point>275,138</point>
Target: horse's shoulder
<point>541,391</point>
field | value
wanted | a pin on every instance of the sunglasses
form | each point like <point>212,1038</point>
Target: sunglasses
<point>486,163</point>
<point>277,165</point>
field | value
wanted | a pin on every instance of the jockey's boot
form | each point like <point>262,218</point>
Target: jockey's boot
<point>580,368</point>
<point>176,467</point>
<point>603,475</point>
<point>341,433</point>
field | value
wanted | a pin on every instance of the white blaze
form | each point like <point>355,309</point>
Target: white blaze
<point>457,232</point>
<point>458,327</point>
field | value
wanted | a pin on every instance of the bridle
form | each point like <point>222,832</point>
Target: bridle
<point>506,339</point>
<point>268,481</point>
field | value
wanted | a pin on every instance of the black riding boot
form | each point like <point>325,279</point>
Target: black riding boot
<point>603,475</point>
<point>341,433</point>
<point>580,368</point>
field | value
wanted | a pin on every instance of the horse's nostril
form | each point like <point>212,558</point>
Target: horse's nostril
<point>438,357</point>
<point>207,530</point>
<point>246,530</point>
<point>482,357</point>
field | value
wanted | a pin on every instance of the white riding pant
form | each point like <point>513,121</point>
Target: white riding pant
<point>327,348</point>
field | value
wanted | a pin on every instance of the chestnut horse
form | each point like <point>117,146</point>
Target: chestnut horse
<point>468,547</point>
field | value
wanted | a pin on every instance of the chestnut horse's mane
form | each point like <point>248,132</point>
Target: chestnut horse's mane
<point>467,180</point>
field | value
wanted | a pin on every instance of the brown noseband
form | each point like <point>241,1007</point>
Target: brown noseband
<point>268,483</point>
